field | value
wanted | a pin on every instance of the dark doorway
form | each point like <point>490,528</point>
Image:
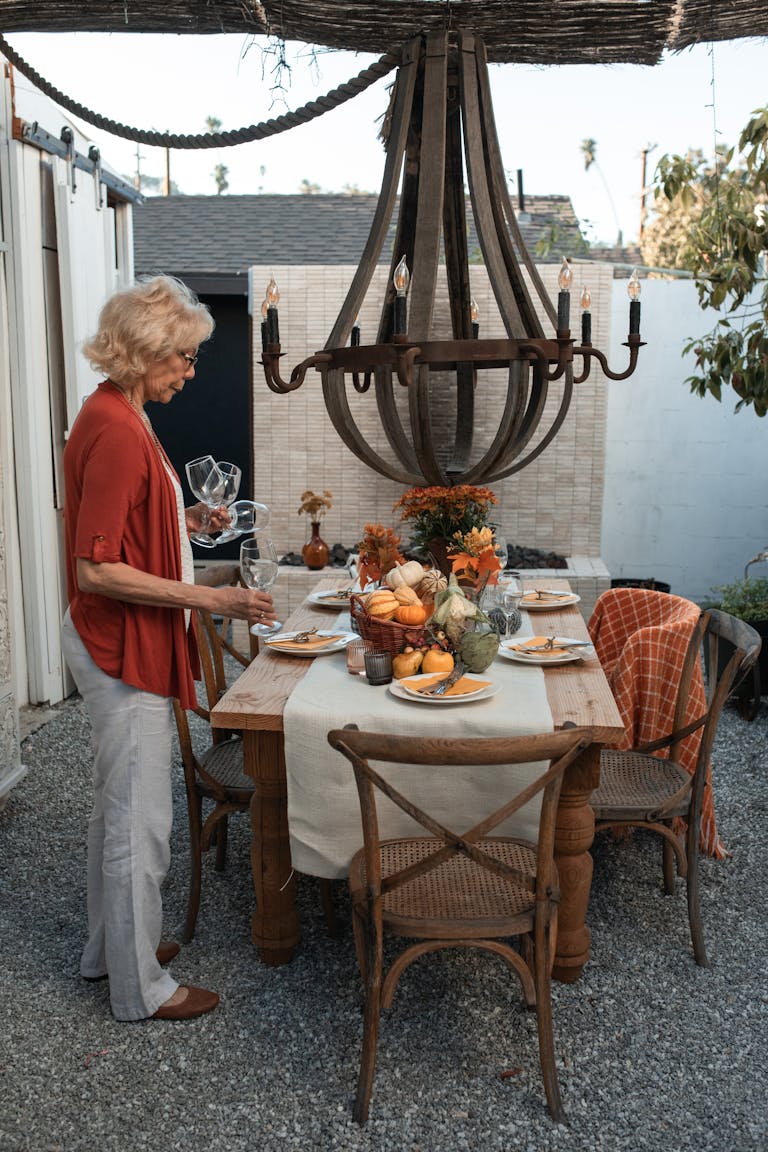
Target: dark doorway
<point>212,414</point>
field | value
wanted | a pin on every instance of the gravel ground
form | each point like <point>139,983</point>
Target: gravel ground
<point>653,1052</point>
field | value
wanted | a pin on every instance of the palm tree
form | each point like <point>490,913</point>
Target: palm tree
<point>589,151</point>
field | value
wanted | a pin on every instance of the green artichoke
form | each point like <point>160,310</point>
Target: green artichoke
<point>477,650</point>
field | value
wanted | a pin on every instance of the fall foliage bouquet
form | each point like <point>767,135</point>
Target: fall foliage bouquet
<point>473,558</point>
<point>378,552</point>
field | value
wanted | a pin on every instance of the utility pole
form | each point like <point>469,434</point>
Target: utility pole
<point>137,177</point>
<point>643,188</point>
<point>167,181</point>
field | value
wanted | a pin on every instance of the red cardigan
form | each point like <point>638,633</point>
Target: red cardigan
<point>120,506</point>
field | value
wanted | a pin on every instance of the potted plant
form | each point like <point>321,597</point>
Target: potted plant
<point>747,600</point>
<point>441,518</point>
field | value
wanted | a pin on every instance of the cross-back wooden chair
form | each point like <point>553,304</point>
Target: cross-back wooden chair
<point>640,789</point>
<point>217,774</point>
<point>445,889</point>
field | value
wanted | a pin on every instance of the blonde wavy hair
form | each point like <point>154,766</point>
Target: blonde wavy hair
<point>154,318</point>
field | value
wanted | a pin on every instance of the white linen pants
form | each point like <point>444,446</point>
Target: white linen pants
<point>128,834</point>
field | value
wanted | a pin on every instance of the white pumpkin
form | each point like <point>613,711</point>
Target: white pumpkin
<point>405,575</point>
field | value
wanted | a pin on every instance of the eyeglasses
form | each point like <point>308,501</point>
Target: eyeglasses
<point>191,360</point>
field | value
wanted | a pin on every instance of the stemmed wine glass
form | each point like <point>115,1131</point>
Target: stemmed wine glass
<point>500,549</point>
<point>206,482</point>
<point>246,516</point>
<point>258,567</point>
<point>232,476</point>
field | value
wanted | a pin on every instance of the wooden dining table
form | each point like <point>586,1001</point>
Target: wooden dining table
<point>254,705</point>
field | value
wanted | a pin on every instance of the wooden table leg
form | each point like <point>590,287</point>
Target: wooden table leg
<point>275,922</point>
<point>574,832</point>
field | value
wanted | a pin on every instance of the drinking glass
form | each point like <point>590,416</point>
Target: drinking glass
<point>207,483</point>
<point>232,476</point>
<point>246,516</point>
<point>258,567</point>
<point>501,549</point>
<point>511,595</point>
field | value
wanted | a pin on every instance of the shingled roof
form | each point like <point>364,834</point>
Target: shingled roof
<point>211,241</point>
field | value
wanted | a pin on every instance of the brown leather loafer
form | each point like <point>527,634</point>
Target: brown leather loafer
<point>166,950</point>
<point>198,1001</point>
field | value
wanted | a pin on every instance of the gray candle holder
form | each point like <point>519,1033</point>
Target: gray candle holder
<point>378,667</point>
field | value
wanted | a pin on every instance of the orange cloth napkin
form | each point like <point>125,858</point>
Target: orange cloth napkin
<point>538,642</point>
<point>462,686</point>
<point>312,642</point>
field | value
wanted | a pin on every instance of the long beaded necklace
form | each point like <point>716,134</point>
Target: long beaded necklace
<point>138,410</point>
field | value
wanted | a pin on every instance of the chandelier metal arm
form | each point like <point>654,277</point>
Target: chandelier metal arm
<point>633,342</point>
<point>270,359</point>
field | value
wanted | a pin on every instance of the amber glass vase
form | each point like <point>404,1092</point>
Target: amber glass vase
<point>315,552</point>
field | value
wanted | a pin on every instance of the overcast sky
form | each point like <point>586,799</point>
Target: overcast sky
<point>173,83</point>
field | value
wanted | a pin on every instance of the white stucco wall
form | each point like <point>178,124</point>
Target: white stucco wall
<point>686,479</point>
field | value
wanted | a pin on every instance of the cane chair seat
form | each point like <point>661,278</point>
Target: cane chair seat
<point>472,900</point>
<point>224,764</point>
<point>456,889</point>
<point>633,783</point>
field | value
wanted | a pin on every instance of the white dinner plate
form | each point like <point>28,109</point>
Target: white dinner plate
<point>402,693</point>
<point>320,650</point>
<point>329,599</point>
<point>564,600</point>
<point>542,659</point>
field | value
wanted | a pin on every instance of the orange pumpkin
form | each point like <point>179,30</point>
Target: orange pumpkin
<point>411,614</point>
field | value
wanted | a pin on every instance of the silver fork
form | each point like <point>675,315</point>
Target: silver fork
<point>303,637</point>
<point>442,687</point>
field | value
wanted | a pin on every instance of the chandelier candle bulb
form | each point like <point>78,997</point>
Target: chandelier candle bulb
<point>272,297</point>
<point>633,291</point>
<point>401,280</point>
<point>586,317</point>
<point>564,296</point>
<point>355,335</point>
<point>474,315</point>
<point>264,326</point>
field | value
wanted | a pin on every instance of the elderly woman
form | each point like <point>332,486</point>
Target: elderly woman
<point>127,636</point>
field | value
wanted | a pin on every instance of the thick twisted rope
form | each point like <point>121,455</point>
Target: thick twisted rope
<point>309,111</point>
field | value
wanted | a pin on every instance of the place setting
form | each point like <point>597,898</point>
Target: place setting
<point>310,642</point>
<point>545,650</point>
<point>335,598</point>
<point>547,600</point>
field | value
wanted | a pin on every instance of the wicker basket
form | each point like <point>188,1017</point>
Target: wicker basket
<point>384,635</point>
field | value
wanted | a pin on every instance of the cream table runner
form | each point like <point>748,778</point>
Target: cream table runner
<point>323,808</point>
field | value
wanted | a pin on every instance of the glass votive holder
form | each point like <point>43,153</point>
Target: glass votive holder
<point>356,650</point>
<point>378,667</point>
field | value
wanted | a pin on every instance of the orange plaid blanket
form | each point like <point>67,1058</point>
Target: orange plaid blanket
<point>641,638</point>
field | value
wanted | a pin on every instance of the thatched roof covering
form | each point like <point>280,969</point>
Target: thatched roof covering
<point>526,31</point>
